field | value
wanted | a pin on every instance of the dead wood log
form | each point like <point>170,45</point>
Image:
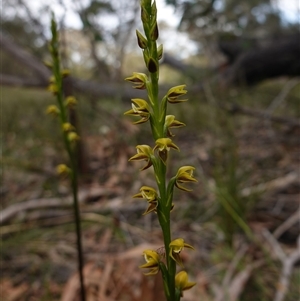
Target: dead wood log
<point>277,58</point>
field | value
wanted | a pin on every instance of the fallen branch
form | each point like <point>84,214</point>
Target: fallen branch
<point>279,183</point>
<point>287,224</point>
<point>288,262</point>
<point>234,108</point>
<point>83,196</point>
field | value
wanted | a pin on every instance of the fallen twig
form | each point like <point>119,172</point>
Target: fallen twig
<point>287,224</point>
<point>288,262</point>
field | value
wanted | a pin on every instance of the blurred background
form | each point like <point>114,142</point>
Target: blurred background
<point>240,62</point>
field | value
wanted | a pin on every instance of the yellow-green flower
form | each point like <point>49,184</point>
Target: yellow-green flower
<point>184,175</point>
<point>175,92</point>
<point>150,195</point>
<point>171,122</point>
<point>152,262</point>
<point>71,102</point>
<point>52,109</point>
<point>63,169</point>
<point>182,283</point>
<point>53,88</point>
<point>176,246</point>
<point>144,152</point>
<point>164,145</point>
<point>147,193</point>
<point>52,79</point>
<point>65,72</point>
<point>73,137</point>
<point>140,108</point>
<point>139,80</point>
<point>67,127</point>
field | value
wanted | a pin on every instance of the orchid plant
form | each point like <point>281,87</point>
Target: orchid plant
<point>160,199</point>
<point>69,135</point>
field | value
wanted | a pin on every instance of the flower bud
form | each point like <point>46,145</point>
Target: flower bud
<point>73,137</point>
<point>52,110</point>
<point>71,102</point>
<point>160,51</point>
<point>67,127</point>
<point>65,72</point>
<point>152,65</point>
<point>142,41</point>
<point>63,169</point>
<point>154,32</point>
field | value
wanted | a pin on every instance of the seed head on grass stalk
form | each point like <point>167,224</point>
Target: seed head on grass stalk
<point>160,199</point>
<point>69,135</point>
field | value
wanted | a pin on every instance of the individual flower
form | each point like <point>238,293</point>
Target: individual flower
<point>163,145</point>
<point>176,246</point>
<point>73,137</point>
<point>65,72</point>
<point>175,92</point>
<point>48,64</point>
<point>71,102</point>
<point>184,175</point>
<point>147,193</point>
<point>150,195</point>
<point>182,283</point>
<point>52,109</point>
<point>53,88</point>
<point>144,152</point>
<point>52,79</point>
<point>138,79</point>
<point>67,127</point>
<point>62,169</point>
<point>171,122</point>
<point>152,262</point>
<point>140,108</point>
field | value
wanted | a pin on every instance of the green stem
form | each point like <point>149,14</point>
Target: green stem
<point>78,231</point>
<point>71,152</point>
